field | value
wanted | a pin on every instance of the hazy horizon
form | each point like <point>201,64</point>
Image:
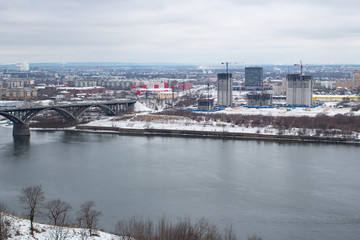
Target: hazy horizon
<point>26,66</point>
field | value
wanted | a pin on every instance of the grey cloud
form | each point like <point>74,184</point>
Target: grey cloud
<point>176,29</point>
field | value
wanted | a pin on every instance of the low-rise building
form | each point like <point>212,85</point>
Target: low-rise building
<point>25,94</point>
<point>205,104</point>
<point>79,90</point>
<point>259,99</point>
<point>17,82</point>
<point>167,95</point>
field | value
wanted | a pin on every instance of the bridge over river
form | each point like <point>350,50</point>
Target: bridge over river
<point>21,116</point>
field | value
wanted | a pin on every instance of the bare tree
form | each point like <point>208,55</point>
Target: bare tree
<point>87,216</point>
<point>57,211</point>
<point>4,225</point>
<point>32,197</point>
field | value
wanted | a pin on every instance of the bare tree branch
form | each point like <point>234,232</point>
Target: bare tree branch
<point>57,211</point>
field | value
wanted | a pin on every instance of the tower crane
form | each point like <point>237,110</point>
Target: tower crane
<point>301,67</point>
<point>302,84</point>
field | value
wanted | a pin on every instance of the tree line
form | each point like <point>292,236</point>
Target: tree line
<point>321,122</point>
<point>57,213</point>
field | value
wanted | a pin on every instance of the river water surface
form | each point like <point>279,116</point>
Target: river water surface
<point>274,190</point>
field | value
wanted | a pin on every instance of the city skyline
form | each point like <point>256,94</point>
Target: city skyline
<point>198,31</point>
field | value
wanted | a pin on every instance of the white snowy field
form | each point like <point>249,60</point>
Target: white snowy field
<point>20,230</point>
<point>177,123</point>
<point>327,109</point>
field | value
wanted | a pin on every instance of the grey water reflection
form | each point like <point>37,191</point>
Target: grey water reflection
<point>275,190</point>
<point>21,146</point>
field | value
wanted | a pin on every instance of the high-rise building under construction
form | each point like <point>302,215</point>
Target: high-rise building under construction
<point>299,90</point>
<point>224,89</point>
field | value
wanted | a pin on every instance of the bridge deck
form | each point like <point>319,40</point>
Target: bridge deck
<point>87,104</point>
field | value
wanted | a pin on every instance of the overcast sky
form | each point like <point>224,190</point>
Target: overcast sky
<point>180,31</point>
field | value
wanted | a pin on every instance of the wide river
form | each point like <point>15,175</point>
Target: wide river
<point>275,190</point>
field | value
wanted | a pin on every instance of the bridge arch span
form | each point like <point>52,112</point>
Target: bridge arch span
<point>13,118</point>
<point>67,115</point>
<point>21,116</point>
<point>104,108</point>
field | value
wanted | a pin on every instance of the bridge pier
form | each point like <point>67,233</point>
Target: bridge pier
<point>21,130</point>
<point>130,107</point>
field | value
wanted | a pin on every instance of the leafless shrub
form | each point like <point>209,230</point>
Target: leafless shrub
<point>254,237</point>
<point>32,198</point>
<point>84,234</point>
<point>58,233</point>
<point>4,225</point>
<point>206,231</point>
<point>165,230</point>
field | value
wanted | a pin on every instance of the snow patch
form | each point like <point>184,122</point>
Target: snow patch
<point>290,111</point>
<point>139,107</point>
<point>20,230</point>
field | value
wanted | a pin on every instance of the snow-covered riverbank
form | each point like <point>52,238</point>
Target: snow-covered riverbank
<point>143,121</point>
<point>19,229</point>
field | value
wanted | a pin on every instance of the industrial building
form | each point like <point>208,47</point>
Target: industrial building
<point>299,90</point>
<point>253,78</point>
<point>225,96</point>
<point>259,100</point>
<point>335,98</point>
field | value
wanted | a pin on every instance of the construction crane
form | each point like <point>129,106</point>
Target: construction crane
<point>301,82</point>
<point>301,67</point>
<point>227,65</point>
